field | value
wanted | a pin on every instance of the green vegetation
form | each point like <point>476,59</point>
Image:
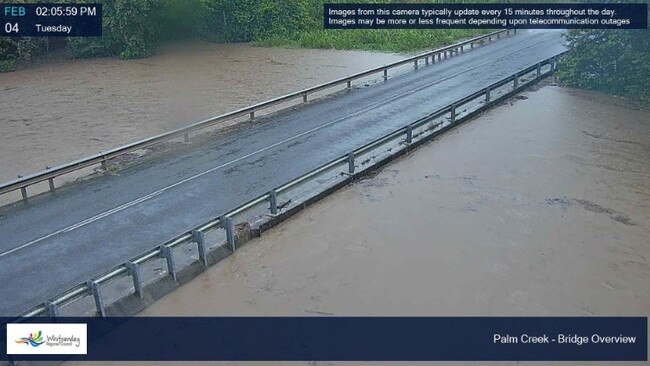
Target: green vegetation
<point>611,61</point>
<point>12,50</point>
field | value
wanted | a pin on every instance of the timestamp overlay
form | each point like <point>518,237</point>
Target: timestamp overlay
<point>51,20</point>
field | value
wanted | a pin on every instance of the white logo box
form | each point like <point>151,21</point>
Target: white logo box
<point>55,339</point>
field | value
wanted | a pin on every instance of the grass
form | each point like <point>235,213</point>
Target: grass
<point>400,41</point>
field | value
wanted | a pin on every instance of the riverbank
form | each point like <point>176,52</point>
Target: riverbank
<point>538,207</point>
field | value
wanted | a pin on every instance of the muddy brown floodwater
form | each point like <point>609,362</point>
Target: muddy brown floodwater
<point>541,207</point>
<point>55,113</point>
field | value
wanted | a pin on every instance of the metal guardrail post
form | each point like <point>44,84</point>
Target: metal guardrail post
<point>134,271</point>
<point>453,113</point>
<point>516,80</point>
<point>199,238</point>
<point>539,69</point>
<point>167,253</point>
<point>409,134</point>
<point>103,164</point>
<point>351,163</point>
<point>487,95</point>
<point>99,302</point>
<point>273,200</point>
<point>426,60</point>
<point>304,98</point>
<point>552,63</point>
<point>415,63</point>
<point>23,192</point>
<point>385,74</point>
<point>349,85</point>
<point>186,138</point>
<point>51,183</point>
<point>252,115</point>
<point>52,309</point>
<point>229,227</point>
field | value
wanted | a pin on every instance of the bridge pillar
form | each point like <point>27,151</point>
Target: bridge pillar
<point>99,302</point>
<point>453,113</point>
<point>167,253</point>
<point>351,163</point>
<point>273,201</point>
<point>199,238</point>
<point>229,227</point>
<point>516,83</point>
<point>52,309</point>
<point>134,271</point>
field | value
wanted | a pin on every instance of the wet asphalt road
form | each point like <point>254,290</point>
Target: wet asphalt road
<point>57,241</point>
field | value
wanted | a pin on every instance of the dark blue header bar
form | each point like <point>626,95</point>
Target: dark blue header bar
<point>51,20</point>
<point>357,338</point>
<point>486,16</point>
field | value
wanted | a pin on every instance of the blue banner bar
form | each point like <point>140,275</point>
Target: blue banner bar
<point>51,20</point>
<point>348,338</point>
<point>486,16</point>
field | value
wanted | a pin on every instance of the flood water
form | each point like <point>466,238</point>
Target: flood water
<point>54,113</point>
<point>539,207</point>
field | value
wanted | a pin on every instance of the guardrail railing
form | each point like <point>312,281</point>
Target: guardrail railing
<point>351,164</point>
<point>102,158</point>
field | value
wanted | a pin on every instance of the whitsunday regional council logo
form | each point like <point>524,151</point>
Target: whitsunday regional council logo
<point>47,339</point>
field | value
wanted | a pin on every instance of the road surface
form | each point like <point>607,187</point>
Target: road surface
<point>57,241</point>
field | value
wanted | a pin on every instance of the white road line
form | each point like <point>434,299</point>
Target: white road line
<point>158,192</point>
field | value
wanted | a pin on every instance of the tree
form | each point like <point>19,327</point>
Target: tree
<point>611,61</point>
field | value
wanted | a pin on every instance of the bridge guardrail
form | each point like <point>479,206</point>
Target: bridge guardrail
<point>406,136</point>
<point>102,158</point>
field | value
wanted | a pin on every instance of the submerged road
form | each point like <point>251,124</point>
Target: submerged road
<point>57,241</point>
